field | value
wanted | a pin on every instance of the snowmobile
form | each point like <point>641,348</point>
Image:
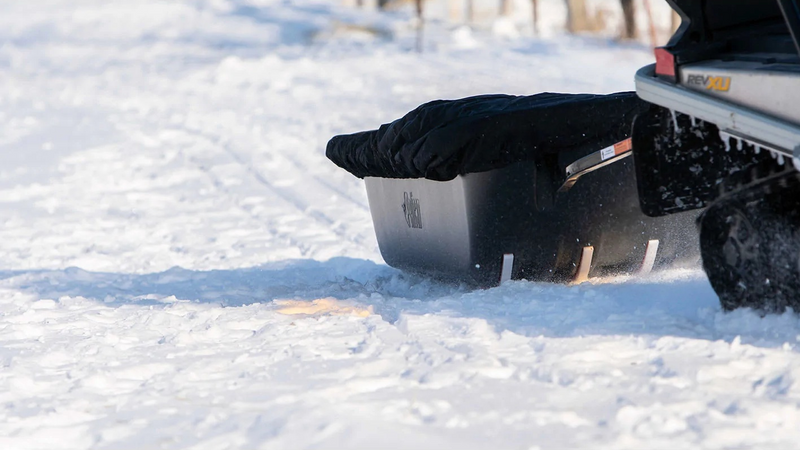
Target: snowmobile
<point>723,137</point>
<point>496,187</point>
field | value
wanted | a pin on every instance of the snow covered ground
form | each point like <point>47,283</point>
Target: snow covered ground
<point>181,267</point>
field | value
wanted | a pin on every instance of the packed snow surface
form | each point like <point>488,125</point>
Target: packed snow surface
<point>182,268</point>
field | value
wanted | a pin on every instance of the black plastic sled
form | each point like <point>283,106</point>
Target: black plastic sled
<point>492,188</point>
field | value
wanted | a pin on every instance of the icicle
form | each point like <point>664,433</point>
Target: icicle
<point>758,149</point>
<point>675,120</point>
<point>694,121</point>
<point>726,139</point>
<point>781,161</point>
<point>738,144</point>
<point>796,162</point>
<point>773,154</point>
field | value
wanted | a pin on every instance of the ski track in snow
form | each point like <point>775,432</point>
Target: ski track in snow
<point>181,267</point>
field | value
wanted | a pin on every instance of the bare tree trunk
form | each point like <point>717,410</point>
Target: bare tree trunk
<point>651,25</point>
<point>470,11</point>
<point>576,16</point>
<point>675,21</point>
<point>420,23</point>
<point>456,10</point>
<point>629,14</point>
<point>535,16</point>
<point>505,7</point>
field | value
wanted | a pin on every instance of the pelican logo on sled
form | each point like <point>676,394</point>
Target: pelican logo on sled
<point>722,84</point>
<point>411,210</point>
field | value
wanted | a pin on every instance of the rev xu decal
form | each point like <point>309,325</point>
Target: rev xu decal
<point>722,84</point>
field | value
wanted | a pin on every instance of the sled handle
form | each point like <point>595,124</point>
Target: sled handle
<point>596,160</point>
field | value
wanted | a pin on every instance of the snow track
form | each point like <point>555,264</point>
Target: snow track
<point>181,267</point>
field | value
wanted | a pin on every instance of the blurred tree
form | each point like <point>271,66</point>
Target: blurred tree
<point>651,24</point>
<point>676,21</point>
<point>420,23</point>
<point>577,19</point>
<point>535,16</point>
<point>456,10</point>
<point>629,15</point>
<point>505,7</point>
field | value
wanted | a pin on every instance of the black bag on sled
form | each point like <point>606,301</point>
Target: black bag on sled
<point>489,188</point>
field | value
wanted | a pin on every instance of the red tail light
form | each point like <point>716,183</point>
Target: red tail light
<point>665,63</point>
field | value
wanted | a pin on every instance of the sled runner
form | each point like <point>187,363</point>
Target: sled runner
<point>491,188</point>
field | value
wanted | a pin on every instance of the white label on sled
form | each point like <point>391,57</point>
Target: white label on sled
<point>606,153</point>
<point>505,270</point>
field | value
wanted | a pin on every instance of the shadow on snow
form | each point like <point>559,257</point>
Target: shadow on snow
<point>684,307</point>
